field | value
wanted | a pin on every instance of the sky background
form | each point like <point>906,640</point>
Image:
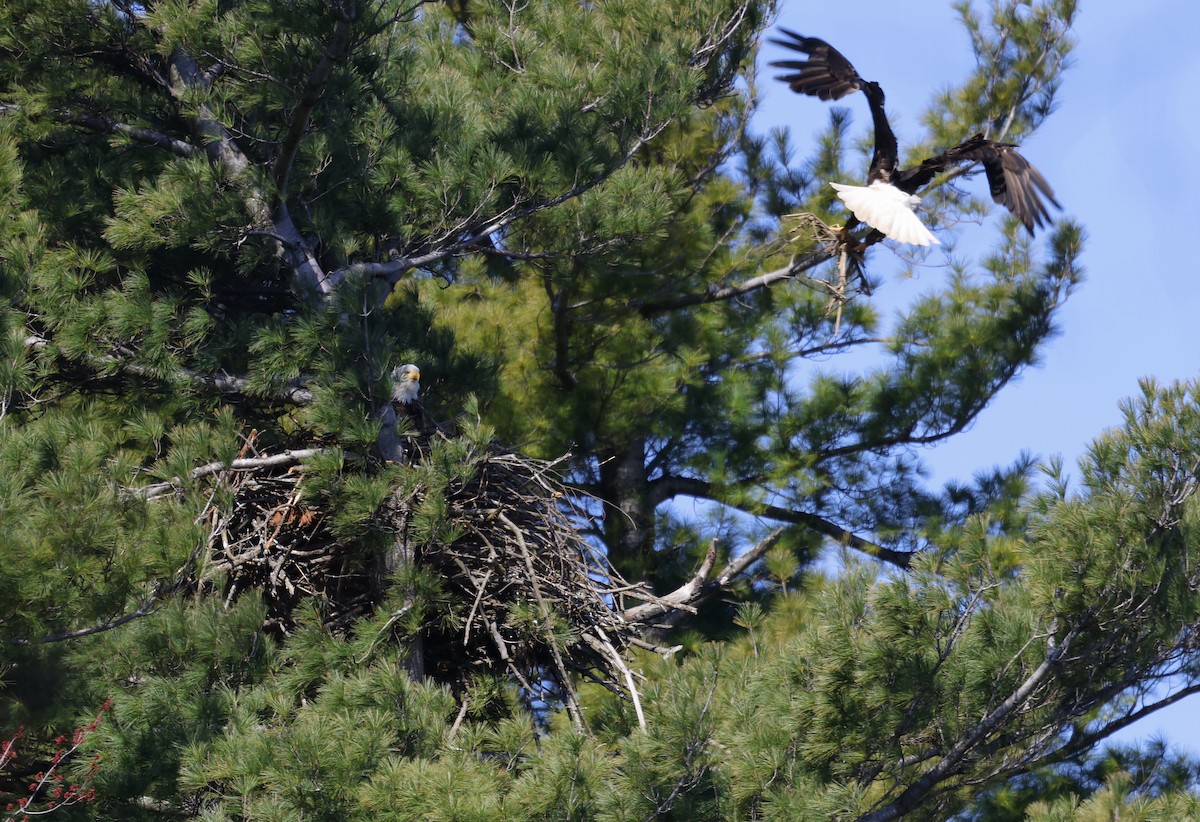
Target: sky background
<point>1120,154</point>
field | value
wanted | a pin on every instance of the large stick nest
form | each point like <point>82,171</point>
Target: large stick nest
<point>525,594</point>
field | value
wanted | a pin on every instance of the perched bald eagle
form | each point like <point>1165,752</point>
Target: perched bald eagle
<point>886,202</point>
<point>406,384</point>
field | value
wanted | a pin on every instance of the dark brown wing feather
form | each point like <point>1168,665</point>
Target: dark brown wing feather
<point>825,74</point>
<point>912,180</point>
<point>1016,185</point>
<point>1014,182</point>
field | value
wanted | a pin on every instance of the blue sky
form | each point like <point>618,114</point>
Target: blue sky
<point>1120,153</point>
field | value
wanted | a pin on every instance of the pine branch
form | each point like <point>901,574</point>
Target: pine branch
<point>159,590</point>
<point>294,392</point>
<point>334,53</point>
<point>1086,741</point>
<point>107,125</point>
<point>909,438</point>
<point>188,82</point>
<point>691,775</point>
<point>392,270</point>
<point>965,417</point>
<point>672,486</point>
<point>143,610</point>
<point>918,790</point>
<point>835,346</point>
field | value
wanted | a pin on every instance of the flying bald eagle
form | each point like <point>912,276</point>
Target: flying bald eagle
<point>886,202</point>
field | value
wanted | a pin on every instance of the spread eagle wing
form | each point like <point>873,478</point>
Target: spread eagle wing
<point>1016,185</point>
<point>826,73</point>
<point>1014,182</point>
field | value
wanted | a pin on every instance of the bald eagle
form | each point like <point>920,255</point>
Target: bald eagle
<point>406,384</point>
<point>886,202</point>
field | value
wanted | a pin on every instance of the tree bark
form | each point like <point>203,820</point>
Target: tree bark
<point>401,553</point>
<point>628,510</point>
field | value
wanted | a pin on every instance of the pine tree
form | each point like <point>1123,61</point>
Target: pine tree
<point>228,223</point>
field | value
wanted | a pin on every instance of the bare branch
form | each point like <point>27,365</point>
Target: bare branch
<point>743,561</point>
<point>187,84</point>
<point>695,592</point>
<point>649,308</point>
<point>245,463</point>
<point>547,620</point>
<point>684,595</point>
<point>107,125</point>
<point>606,646</point>
<point>669,487</point>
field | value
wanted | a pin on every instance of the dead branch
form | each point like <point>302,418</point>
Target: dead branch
<point>241,464</point>
<point>696,591</point>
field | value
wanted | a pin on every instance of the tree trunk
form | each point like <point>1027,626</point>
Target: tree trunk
<point>401,553</point>
<point>628,511</point>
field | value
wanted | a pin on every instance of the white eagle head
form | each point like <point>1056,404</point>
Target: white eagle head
<point>406,383</point>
